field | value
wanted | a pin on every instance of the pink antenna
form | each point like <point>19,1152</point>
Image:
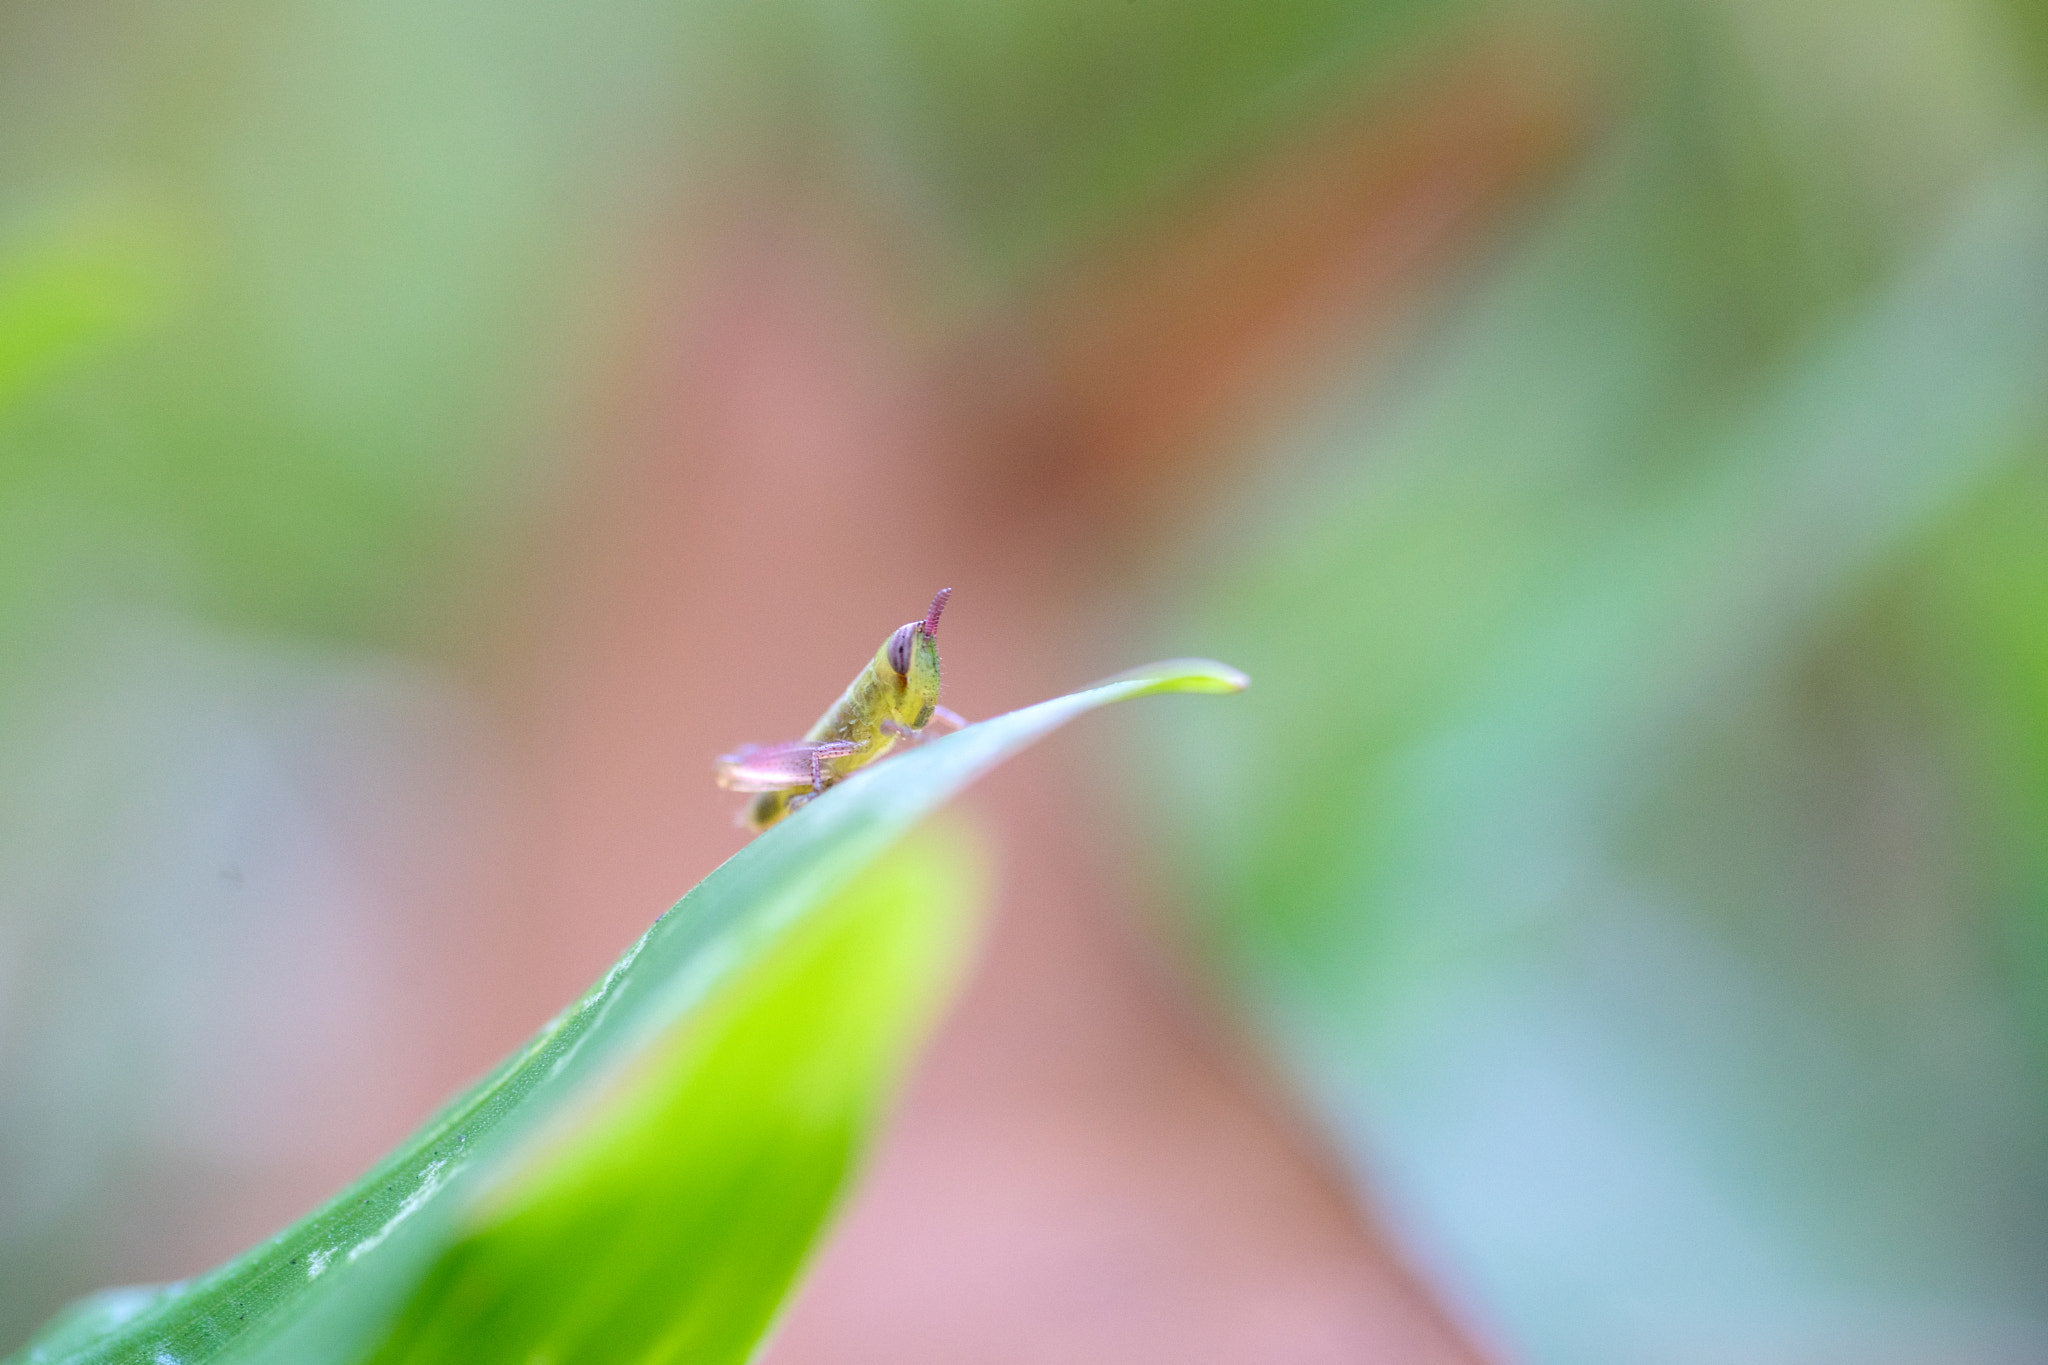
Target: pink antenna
<point>931,618</point>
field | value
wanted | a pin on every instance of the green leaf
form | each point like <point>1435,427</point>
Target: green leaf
<point>641,1181</point>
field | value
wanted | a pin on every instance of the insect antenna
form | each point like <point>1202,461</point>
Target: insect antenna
<point>931,618</point>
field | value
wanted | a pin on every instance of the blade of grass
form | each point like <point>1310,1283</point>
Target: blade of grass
<point>685,1125</point>
<point>669,1222</point>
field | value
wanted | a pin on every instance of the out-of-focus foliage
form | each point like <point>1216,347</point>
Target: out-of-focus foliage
<point>366,239</point>
<point>1037,125</point>
<point>641,1181</point>
<point>69,286</point>
<point>1638,841</point>
<point>390,231</point>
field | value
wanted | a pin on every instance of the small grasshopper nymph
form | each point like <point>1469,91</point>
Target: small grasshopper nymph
<point>895,697</point>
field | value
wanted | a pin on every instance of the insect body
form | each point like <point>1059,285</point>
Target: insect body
<point>895,697</point>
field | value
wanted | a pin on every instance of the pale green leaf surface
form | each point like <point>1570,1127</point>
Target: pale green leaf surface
<point>641,1181</point>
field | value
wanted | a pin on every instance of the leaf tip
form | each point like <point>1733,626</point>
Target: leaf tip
<point>1211,676</point>
<point>1183,675</point>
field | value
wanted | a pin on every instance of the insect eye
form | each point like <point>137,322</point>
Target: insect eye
<point>899,649</point>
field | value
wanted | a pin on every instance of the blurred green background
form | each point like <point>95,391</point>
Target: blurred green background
<point>1635,845</point>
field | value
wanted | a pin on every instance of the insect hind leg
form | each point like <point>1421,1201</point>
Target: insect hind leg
<point>782,767</point>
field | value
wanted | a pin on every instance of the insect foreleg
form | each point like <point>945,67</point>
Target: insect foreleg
<point>942,722</point>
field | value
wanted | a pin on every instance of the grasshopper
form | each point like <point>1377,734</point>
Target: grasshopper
<point>894,699</point>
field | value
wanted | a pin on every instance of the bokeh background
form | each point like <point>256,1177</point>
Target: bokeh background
<point>1613,929</point>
